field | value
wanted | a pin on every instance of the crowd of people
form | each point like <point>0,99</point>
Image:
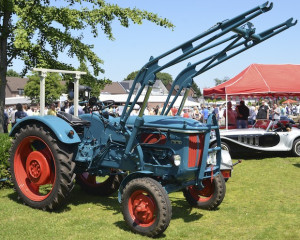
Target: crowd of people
<point>239,116</point>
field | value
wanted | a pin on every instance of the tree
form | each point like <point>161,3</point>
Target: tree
<point>37,31</point>
<point>53,87</point>
<point>219,81</point>
<point>196,89</point>
<point>131,76</point>
<point>12,73</point>
<point>164,77</point>
<point>91,81</point>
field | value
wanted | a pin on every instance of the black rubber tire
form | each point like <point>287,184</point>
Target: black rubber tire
<point>105,188</point>
<point>208,198</point>
<point>296,148</point>
<point>61,167</point>
<point>154,193</point>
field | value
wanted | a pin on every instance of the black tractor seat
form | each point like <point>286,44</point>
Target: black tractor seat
<point>72,120</point>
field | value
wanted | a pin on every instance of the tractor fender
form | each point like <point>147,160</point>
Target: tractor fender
<point>139,174</point>
<point>57,125</point>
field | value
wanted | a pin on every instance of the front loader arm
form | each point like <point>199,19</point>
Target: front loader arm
<point>243,37</point>
<point>242,41</point>
<point>146,76</point>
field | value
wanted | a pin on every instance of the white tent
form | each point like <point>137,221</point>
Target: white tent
<point>16,100</point>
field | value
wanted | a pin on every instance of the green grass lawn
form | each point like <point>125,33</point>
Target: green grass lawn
<point>262,202</point>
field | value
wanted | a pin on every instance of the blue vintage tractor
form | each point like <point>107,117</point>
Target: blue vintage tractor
<point>143,157</point>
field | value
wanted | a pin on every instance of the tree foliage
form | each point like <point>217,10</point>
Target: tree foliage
<point>37,31</point>
<point>196,89</point>
<point>164,77</point>
<point>53,87</point>
<point>220,81</point>
<point>12,73</point>
<point>131,76</point>
<point>91,81</point>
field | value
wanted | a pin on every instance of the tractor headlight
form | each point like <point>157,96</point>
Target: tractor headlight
<point>212,158</point>
<point>176,160</point>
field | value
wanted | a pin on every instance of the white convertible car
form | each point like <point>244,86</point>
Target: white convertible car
<point>265,136</point>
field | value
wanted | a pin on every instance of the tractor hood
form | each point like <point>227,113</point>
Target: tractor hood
<point>170,123</point>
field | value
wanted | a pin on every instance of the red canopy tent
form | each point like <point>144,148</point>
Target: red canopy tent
<point>289,101</point>
<point>260,80</point>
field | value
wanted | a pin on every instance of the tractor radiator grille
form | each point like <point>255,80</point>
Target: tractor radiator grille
<point>196,143</point>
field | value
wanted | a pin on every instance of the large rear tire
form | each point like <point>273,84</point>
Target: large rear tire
<point>210,197</point>
<point>146,207</point>
<point>41,167</point>
<point>91,185</point>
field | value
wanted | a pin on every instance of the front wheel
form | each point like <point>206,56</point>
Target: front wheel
<point>296,148</point>
<point>146,207</point>
<point>210,197</point>
<point>41,167</point>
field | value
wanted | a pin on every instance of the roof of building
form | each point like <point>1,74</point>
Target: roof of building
<point>15,83</point>
<point>113,88</point>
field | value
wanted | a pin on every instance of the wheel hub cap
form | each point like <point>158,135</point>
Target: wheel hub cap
<point>37,168</point>
<point>143,209</point>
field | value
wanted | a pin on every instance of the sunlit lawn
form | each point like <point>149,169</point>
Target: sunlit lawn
<point>262,202</point>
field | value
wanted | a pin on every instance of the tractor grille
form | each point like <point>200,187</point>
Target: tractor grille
<point>196,143</point>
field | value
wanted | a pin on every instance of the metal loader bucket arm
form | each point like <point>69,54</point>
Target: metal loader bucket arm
<point>243,37</point>
<point>242,41</point>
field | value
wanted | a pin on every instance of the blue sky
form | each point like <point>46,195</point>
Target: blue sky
<point>133,46</point>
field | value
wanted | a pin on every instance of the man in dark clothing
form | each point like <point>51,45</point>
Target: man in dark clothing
<point>5,123</point>
<point>263,111</point>
<point>242,115</point>
<point>19,113</point>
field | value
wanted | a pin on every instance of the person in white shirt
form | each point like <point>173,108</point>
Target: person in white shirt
<point>29,111</point>
<point>276,113</point>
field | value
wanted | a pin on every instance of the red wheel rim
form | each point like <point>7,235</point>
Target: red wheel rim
<point>142,208</point>
<point>90,180</point>
<point>205,194</point>
<point>34,168</point>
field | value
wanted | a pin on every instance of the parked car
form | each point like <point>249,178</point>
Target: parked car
<point>264,136</point>
<point>283,120</point>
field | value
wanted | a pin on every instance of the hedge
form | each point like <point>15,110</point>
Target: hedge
<point>5,144</point>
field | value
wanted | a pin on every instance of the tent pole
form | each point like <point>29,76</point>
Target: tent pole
<point>226,120</point>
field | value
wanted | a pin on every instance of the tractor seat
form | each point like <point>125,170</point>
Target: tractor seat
<point>74,121</point>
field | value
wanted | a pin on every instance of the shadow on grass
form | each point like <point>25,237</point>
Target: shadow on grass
<point>123,226</point>
<point>297,165</point>
<point>79,197</point>
<point>180,208</point>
